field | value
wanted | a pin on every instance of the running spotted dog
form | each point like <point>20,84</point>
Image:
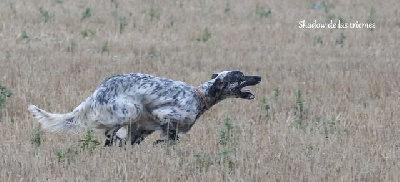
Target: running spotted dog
<point>146,103</point>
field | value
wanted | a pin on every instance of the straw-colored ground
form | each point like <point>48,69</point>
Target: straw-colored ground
<point>327,108</point>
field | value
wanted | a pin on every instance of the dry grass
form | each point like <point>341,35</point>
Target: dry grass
<point>344,127</point>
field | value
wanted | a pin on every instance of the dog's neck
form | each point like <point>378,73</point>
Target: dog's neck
<point>209,100</point>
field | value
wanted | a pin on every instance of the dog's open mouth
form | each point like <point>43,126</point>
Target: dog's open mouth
<point>250,81</point>
<point>246,94</point>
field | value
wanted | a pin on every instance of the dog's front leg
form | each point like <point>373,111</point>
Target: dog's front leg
<point>169,133</point>
<point>138,135</point>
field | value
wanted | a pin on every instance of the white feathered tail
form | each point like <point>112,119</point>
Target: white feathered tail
<point>56,122</point>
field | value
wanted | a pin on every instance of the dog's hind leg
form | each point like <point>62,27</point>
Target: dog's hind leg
<point>121,136</point>
<point>111,136</point>
<point>122,111</point>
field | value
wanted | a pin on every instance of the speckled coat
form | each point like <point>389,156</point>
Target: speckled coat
<point>147,103</point>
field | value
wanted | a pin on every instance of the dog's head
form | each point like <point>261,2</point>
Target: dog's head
<point>230,84</point>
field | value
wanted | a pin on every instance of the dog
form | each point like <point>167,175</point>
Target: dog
<point>147,103</point>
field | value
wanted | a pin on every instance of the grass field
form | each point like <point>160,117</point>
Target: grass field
<point>327,108</point>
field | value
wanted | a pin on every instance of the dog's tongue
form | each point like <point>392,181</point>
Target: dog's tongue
<point>250,95</point>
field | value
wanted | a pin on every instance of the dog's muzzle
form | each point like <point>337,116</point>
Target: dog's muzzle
<point>249,81</point>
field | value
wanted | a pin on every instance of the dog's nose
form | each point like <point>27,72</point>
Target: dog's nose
<point>257,79</point>
<point>253,79</point>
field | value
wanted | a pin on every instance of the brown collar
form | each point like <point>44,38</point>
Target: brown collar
<point>202,97</point>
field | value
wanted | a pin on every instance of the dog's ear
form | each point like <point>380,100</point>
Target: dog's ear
<point>216,87</point>
<point>214,76</point>
<point>219,83</point>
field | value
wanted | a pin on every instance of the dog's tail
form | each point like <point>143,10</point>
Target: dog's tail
<point>56,122</point>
